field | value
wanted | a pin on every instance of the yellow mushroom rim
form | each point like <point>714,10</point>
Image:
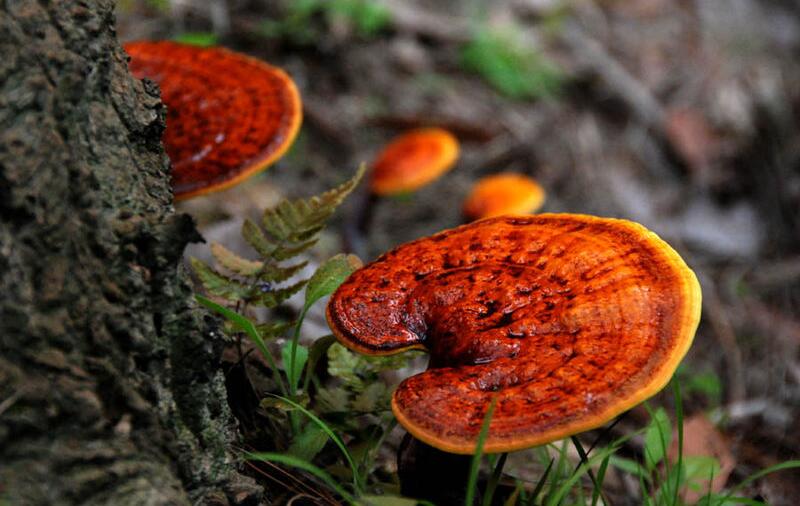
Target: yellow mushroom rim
<point>413,160</point>
<point>506,193</point>
<point>568,319</point>
<point>229,115</point>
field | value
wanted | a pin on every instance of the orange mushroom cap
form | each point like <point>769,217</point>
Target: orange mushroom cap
<point>568,319</point>
<point>229,116</point>
<point>413,160</point>
<point>505,193</point>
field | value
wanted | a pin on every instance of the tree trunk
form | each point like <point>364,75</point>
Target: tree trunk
<point>110,391</point>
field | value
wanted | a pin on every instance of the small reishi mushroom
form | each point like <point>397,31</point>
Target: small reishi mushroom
<point>229,116</point>
<point>505,193</point>
<point>409,162</point>
<point>413,160</point>
<point>568,319</point>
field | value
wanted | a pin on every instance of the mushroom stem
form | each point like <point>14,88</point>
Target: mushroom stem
<point>431,474</point>
<point>357,227</point>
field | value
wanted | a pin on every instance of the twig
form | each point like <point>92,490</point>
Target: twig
<point>726,337</point>
<point>591,55</point>
<point>10,401</point>
<point>410,18</point>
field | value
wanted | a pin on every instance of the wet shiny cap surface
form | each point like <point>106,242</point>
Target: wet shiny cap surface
<point>568,319</point>
<point>229,116</point>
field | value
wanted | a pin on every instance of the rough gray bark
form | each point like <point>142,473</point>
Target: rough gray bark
<point>110,391</point>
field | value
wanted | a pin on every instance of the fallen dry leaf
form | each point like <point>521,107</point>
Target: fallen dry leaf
<point>692,137</point>
<point>702,439</point>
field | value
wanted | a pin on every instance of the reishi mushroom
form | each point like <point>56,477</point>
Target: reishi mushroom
<point>505,193</point>
<point>568,319</point>
<point>409,162</point>
<point>229,115</point>
<point>413,160</point>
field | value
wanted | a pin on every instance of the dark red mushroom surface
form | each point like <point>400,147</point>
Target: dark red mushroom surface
<point>568,319</point>
<point>228,115</point>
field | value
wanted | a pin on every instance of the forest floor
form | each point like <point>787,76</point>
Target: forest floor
<point>684,116</point>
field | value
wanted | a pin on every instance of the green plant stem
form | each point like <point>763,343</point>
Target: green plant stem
<point>369,456</point>
<point>679,420</point>
<point>293,419</point>
<point>293,355</point>
<point>248,328</point>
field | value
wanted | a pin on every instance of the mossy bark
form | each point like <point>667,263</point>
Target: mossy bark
<point>110,390</point>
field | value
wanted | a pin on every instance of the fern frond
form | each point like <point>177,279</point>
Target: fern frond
<point>299,220</point>
<point>272,298</point>
<point>272,273</point>
<point>218,284</point>
<point>274,329</point>
<point>233,262</point>
<point>287,252</point>
<point>256,238</point>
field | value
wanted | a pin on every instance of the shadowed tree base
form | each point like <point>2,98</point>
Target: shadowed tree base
<point>110,391</point>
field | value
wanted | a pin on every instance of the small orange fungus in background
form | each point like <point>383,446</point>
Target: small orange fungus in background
<point>505,193</point>
<point>412,160</point>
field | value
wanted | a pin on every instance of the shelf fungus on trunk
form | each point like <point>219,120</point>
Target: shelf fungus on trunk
<point>229,115</point>
<point>568,319</point>
<point>504,193</point>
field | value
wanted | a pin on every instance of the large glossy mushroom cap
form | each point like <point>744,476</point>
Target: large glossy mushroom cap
<point>568,319</point>
<point>413,160</point>
<point>505,193</point>
<point>229,116</point>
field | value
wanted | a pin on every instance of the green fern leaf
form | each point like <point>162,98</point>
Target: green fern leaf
<point>233,262</point>
<point>272,273</point>
<point>345,365</point>
<point>274,329</point>
<point>332,400</point>
<point>276,225</point>
<point>299,220</point>
<point>375,397</point>
<point>272,298</point>
<point>256,238</point>
<point>285,253</point>
<point>218,284</point>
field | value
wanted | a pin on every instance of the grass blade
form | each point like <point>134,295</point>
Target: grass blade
<point>494,480</point>
<point>248,328</point>
<point>472,483</point>
<point>332,435</point>
<point>679,420</point>
<point>601,475</point>
<point>570,482</point>
<point>559,471</point>
<point>789,464</point>
<point>584,460</point>
<point>542,481</point>
<point>310,468</point>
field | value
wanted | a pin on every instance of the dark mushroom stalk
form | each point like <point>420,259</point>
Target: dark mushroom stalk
<point>229,116</point>
<point>409,162</point>
<point>569,320</point>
